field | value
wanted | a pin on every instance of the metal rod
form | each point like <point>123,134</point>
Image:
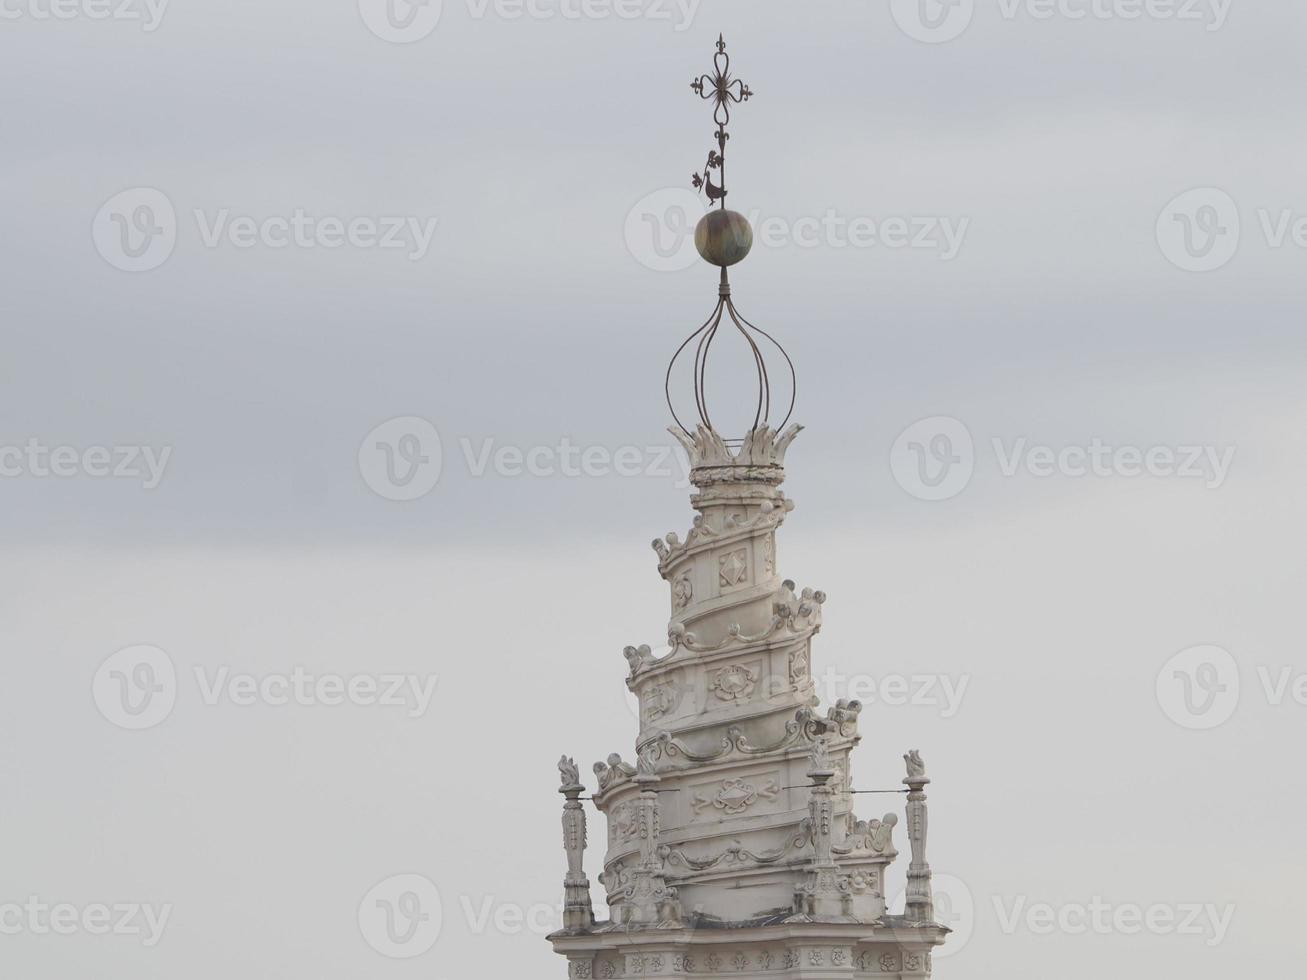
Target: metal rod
<point>853,792</point>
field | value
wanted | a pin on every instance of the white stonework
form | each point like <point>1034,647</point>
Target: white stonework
<point>732,846</point>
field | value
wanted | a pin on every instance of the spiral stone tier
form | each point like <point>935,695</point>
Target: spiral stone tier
<point>732,845</point>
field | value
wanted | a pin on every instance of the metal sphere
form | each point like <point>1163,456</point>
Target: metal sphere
<point>723,238</point>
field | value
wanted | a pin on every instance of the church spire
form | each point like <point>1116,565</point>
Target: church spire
<point>733,846</point>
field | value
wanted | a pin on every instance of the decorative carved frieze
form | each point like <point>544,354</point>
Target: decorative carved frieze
<point>734,796</point>
<point>737,855</point>
<point>805,727</point>
<point>792,614</point>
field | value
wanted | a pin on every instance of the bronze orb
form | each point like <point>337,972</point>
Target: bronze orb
<point>723,238</point>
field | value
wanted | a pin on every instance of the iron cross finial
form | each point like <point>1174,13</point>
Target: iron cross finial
<point>723,90</point>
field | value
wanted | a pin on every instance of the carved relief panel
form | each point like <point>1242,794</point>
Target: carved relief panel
<point>734,567</point>
<point>682,590</point>
<point>735,796</point>
<point>661,699</point>
<point>623,823</point>
<point>734,683</point>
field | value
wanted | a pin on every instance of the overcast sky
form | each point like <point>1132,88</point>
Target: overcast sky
<point>270,269</point>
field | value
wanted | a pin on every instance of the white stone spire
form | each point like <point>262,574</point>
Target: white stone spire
<point>732,847</point>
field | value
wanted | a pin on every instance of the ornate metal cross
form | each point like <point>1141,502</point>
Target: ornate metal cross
<point>722,89</point>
